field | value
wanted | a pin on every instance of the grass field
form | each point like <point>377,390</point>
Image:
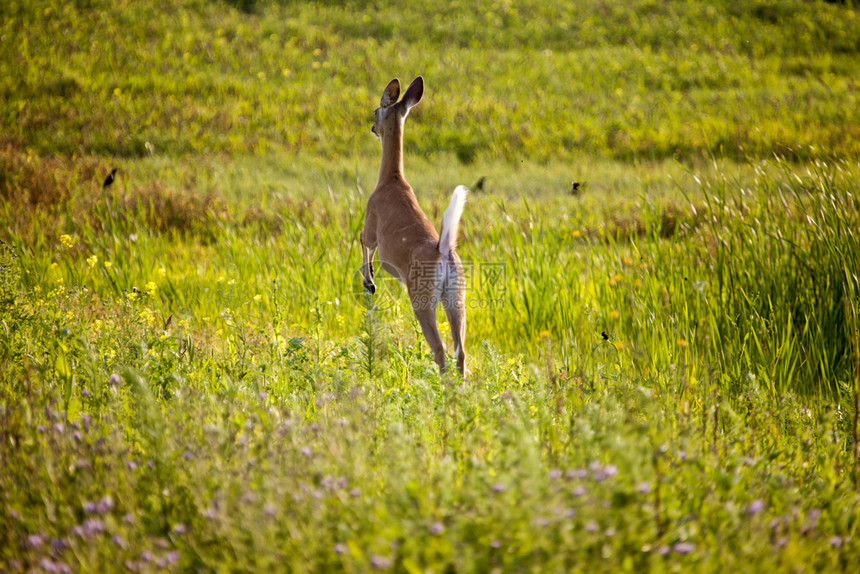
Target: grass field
<point>665,364</point>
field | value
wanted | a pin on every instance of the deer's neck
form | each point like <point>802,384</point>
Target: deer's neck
<point>391,166</point>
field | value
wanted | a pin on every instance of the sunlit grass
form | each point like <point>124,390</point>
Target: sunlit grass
<point>664,358</point>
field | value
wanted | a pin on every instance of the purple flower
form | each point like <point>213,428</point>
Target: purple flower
<point>59,428</point>
<point>269,509</point>
<point>115,380</point>
<point>381,562</point>
<point>664,550</point>
<point>682,454</point>
<point>172,557</point>
<point>496,544</point>
<point>34,541</point>
<point>578,491</point>
<point>93,526</point>
<point>579,473</point>
<point>643,487</point>
<point>755,507</point>
<point>90,507</point>
<point>105,505</point>
<point>591,526</point>
<point>131,465</point>
<point>684,547</point>
<point>355,492</point>
<point>499,487</point>
<point>555,474</point>
<point>836,541</point>
<point>340,548</point>
<point>128,518</point>
<point>188,455</point>
<point>437,528</point>
<point>180,529</point>
<point>306,450</point>
<point>262,396</point>
<point>118,541</point>
<point>50,566</point>
<point>41,429</point>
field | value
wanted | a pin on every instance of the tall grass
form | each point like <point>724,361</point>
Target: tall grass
<point>186,399</point>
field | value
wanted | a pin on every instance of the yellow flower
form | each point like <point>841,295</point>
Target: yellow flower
<point>340,320</point>
<point>162,271</point>
<point>682,343</point>
<point>164,336</point>
<point>258,298</point>
<point>231,282</point>
<point>151,287</point>
<point>132,295</point>
<point>577,233</point>
<point>67,240</point>
<point>92,261</point>
<point>544,334</point>
<point>108,264</point>
<point>618,344</point>
<point>614,314</point>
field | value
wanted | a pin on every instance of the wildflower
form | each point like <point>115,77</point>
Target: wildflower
<point>67,240</point>
<point>89,507</point>
<point>499,487</point>
<point>682,343</point>
<point>258,298</point>
<point>684,547</point>
<point>151,287</point>
<point>591,526</point>
<point>132,295</point>
<point>162,271</point>
<point>108,264</point>
<point>643,487</point>
<point>496,544</point>
<point>269,509</point>
<point>34,541</point>
<point>262,396</point>
<point>381,562</point>
<point>614,314</point>
<point>436,528</point>
<point>340,548</point>
<point>577,234</point>
<point>118,541</point>
<point>91,261</point>
<point>115,380</point>
<point>755,507</point>
<point>180,529</point>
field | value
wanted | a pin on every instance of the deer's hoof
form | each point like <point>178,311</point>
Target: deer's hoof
<point>369,287</point>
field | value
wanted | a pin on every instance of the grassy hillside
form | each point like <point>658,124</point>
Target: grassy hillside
<point>527,80</point>
<point>665,364</point>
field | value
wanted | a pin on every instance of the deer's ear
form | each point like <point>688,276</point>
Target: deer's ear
<point>390,94</point>
<point>414,92</point>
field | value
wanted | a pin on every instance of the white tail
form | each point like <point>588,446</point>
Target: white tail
<point>451,220</point>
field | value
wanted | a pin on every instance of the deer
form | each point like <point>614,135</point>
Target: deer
<point>409,247</point>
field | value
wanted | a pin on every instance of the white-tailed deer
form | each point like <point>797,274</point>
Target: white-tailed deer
<point>409,247</point>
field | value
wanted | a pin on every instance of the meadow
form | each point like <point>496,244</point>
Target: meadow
<point>665,360</point>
